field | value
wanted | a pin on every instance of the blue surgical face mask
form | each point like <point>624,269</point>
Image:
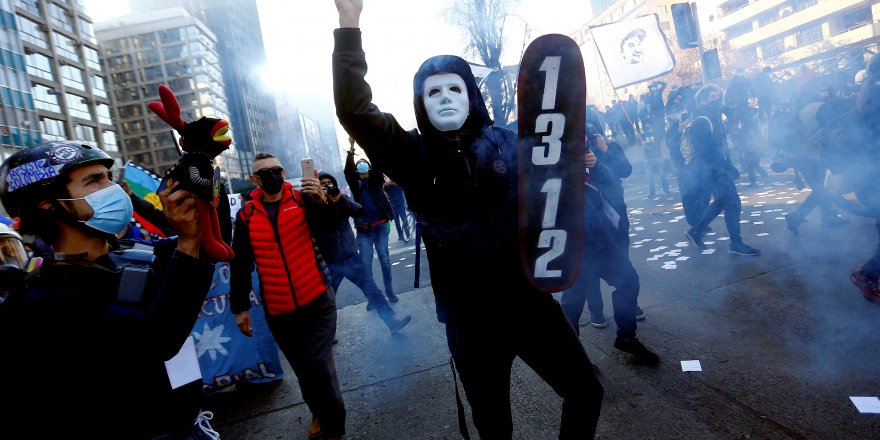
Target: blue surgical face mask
<point>112,209</point>
<point>363,167</point>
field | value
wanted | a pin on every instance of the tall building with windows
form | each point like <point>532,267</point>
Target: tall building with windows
<point>788,33</point>
<point>165,47</point>
<point>19,125</point>
<point>66,85</point>
<point>236,23</point>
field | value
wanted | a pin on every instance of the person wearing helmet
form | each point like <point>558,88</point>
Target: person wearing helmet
<point>92,322</point>
<point>13,260</point>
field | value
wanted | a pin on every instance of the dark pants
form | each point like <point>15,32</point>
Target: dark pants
<point>654,167</point>
<point>354,269</point>
<point>694,194</point>
<point>305,336</point>
<point>872,267</point>
<point>613,266</point>
<point>814,174</point>
<point>483,352</point>
<point>725,199</point>
<point>403,232</point>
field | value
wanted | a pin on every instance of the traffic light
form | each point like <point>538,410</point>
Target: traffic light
<point>685,28</point>
<point>711,64</point>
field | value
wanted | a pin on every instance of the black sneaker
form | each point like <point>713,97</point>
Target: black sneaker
<point>632,346</point>
<point>793,222</point>
<point>743,249</point>
<point>392,298</point>
<point>695,238</point>
<point>395,325</point>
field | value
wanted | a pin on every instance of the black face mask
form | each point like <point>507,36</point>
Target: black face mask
<point>271,180</point>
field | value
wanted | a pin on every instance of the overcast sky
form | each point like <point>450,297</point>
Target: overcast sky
<point>398,36</point>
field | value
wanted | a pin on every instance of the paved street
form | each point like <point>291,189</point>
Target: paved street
<point>783,339</point>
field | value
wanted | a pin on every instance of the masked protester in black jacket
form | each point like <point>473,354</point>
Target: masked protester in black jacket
<point>460,176</point>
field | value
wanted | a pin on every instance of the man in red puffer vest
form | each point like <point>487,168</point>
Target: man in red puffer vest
<point>272,230</point>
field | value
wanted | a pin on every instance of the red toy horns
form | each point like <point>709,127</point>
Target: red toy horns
<point>170,111</point>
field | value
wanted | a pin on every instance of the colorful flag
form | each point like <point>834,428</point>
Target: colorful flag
<point>633,50</point>
<point>143,184</point>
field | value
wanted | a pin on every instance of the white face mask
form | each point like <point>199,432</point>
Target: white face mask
<point>446,101</point>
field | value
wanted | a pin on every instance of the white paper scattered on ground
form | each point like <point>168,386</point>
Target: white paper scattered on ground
<point>637,246</point>
<point>662,231</point>
<point>723,238</point>
<point>708,251</point>
<point>778,218</point>
<point>682,258</point>
<point>762,234</point>
<point>711,233</point>
<point>682,244</point>
<point>758,223</point>
<point>743,221</point>
<point>659,239</point>
<point>866,405</point>
<point>691,366</point>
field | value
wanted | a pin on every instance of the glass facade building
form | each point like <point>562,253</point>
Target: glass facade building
<point>143,51</point>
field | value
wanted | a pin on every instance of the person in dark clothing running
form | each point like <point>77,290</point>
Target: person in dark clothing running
<point>459,172</point>
<point>340,250</point>
<point>712,160</point>
<point>606,258</point>
<point>94,322</point>
<point>373,227</point>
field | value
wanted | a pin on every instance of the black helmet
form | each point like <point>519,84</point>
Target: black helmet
<point>25,175</point>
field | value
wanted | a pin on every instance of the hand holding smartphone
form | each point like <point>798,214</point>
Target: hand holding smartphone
<point>308,167</point>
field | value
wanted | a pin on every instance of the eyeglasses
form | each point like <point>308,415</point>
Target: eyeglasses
<point>267,172</point>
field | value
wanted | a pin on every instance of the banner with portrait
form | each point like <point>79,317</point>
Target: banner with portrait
<point>633,50</point>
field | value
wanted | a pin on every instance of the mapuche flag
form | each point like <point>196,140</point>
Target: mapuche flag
<point>144,184</point>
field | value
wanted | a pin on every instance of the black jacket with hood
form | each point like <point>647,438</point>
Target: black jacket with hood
<point>336,239</point>
<point>462,185</point>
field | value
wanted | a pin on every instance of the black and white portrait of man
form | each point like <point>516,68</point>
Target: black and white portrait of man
<point>631,46</point>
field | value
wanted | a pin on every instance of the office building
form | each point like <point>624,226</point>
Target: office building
<point>786,34</point>
<point>66,87</point>
<point>165,47</point>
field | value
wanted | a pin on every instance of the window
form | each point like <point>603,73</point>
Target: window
<point>103,111</point>
<point>59,17</point>
<point>168,155</point>
<point>32,6</point>
<point>119,61</point>
<point>98,87</point>
<point>153,73</point>
<point>181,84</point>
<point>77,106</point>
<point>768,17</point>
<point>127,94</point>
<point>110,143</point>
<point>854,19</point>
<point>65,47</point>
<point>172,36</point>
<point>177,69</point>
<point>92,58</point>
<point>144,159</point>
<point>12,60</point>
<point>144,41</point>
<point>809,35</point>
<point>174,52</point>
<point>86,31</point>
<point>133,127</point>
<point>773,48</point>
<point>84,133</point>
<point>53,129</point>
<point>72,77</point>
<point>147,57</point>
<point>45,98</point>
<point>130,111</point>
<point>39,65</point>
<point>118,45</point>
<point>136,143</point>
<point>32,33</point>
<point>800,5</point>
<point>7,20</point>
<point>123,78</point>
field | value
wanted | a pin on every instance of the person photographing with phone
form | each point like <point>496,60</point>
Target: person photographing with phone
<point>273,231</point>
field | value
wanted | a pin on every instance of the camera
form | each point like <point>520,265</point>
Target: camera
<point>332,190</point>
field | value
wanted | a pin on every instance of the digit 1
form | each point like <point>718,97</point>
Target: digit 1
<point>551,67</point>
<point>552,189</point>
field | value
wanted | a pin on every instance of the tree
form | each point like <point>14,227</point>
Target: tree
<point>484,21</point>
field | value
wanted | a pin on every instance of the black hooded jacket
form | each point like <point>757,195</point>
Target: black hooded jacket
<point>462,185</point>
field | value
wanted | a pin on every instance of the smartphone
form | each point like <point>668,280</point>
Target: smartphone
<point>308,167</point>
